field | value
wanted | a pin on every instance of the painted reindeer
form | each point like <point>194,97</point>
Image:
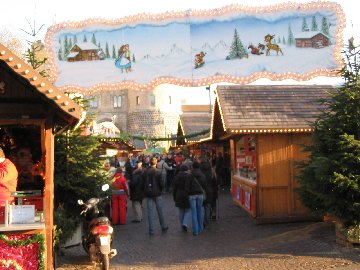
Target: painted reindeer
<point>271,46</point>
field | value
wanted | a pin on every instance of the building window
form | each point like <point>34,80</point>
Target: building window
<point>137,100</point>
<point>152,100</point>
<point>93,102</point>
<point>117,101</point>
<point>169,99</point>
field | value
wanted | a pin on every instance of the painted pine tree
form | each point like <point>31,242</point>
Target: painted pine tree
<point>325,26</point>
<point>107,52</point>
<point>66,47</point>
<point>93,39</point>
<point>113,52</point>
<point>291,39</point>
<point>237,49</point>
<point>314,25</point>
<point>60,54</point>
<point>304,27</point>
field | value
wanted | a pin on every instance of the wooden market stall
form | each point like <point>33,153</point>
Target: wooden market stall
<point>194,119</point>
<point>32,111</point>
<point>266,126</point>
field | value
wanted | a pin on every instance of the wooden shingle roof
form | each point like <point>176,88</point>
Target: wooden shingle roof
<point>261,107</point>
<point>195,119</point>
<point>68,110</point>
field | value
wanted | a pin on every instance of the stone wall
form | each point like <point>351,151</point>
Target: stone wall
<point>137,114</point>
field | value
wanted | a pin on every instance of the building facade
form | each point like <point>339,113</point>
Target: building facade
<point>146,113</point>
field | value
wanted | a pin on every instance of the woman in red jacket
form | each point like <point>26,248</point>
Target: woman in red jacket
<point>119,198</point>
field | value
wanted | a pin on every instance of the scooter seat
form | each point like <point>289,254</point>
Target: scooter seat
<point>102,220</point>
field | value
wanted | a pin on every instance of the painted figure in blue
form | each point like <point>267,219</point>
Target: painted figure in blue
<point>124,60</point>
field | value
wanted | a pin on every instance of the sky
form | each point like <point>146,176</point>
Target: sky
<point>19,15</point>
<point>15,13</point>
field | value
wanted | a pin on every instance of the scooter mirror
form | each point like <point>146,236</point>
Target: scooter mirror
<point>105,187</point>
<point>80,202</point>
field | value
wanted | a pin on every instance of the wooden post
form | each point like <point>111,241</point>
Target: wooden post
<point>49,193</point>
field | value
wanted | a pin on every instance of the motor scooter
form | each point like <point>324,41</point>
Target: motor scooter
<point>97,232</point>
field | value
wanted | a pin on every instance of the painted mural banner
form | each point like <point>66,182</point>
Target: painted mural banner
<point>235,44</point>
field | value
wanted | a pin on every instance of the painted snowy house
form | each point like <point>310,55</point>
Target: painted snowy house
<point>83,51</point>
<point>312,40</point>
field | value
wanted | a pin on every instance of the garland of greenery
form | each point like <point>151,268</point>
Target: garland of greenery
<point>127,136</point>
<point>37,238</point>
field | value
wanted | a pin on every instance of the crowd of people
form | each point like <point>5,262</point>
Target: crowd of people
<point>192,181</point>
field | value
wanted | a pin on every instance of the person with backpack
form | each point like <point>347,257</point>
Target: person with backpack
<point>152,193</point>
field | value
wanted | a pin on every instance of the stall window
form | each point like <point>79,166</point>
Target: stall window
<point>22,145</point>
<point>246,157</point>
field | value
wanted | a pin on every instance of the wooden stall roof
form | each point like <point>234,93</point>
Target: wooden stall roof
<point>117,144</point>
<point>267,108</point>
<point>194,119</point>
<point>67,111</point>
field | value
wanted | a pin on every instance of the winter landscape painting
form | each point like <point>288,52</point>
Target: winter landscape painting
<point>238,45</point>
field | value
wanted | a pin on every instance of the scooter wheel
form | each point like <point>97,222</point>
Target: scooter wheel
<point>105,262</point>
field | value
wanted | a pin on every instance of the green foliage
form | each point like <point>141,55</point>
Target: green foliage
<point>330,179</point>
<point>352,233</point>
<point>77,175</point>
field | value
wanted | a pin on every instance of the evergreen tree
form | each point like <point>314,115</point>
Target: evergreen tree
<point>75,39</point>
<point>85,39</point>
<point>93,39</point>
<point>279,40</point>
<point>77,174</point>
<point>330,179</point>
<point>107,52</point>
<point>325,26</point>
<point>291,39</point>
<point>237,49</point>
<point>133,58</point>
<point>283,40</point>
<point>304,27</point>
<point>113,52</point>
<point>314,26</point>
<point>31,57</point>
<point>99,46</point>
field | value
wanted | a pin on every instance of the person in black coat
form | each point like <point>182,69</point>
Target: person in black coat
<point>137,192</point>
<point>128,169</point>
<point>205,167</point>
<point>181,195</point>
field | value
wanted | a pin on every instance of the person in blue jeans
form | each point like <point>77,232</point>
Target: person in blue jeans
<point>152,192</point>
<point>196,198</point>
<point>181,195</point>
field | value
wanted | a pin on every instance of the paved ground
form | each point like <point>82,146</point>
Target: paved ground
<point>232,242</point>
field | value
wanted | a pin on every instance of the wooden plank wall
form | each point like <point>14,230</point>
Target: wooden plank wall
<point>276,169</point>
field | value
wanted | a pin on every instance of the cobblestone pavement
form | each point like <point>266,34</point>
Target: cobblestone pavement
<point>233,241</point>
